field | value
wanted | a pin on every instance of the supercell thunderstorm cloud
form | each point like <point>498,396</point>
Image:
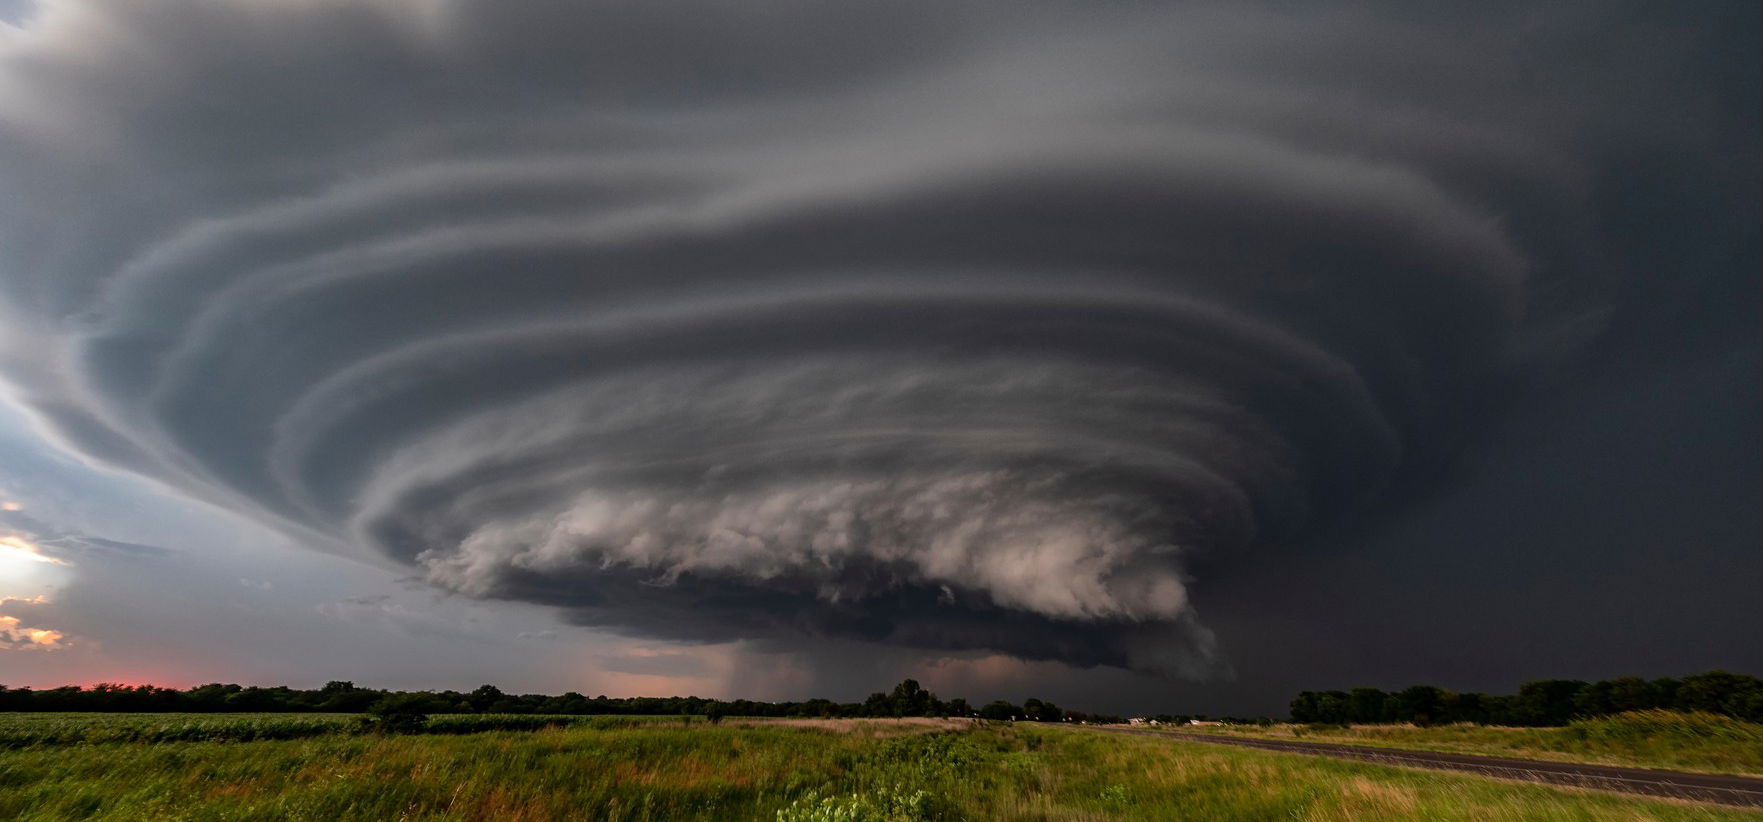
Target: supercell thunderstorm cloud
<point>950,326</point>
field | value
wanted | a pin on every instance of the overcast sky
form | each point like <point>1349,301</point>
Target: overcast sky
<point>1146,357</point>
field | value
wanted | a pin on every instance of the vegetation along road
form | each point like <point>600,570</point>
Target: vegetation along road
<point>1721,788</point>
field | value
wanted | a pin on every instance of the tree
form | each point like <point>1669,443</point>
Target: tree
<point>1593,700</point>
<point>1541,702</point>
<point>910,699</point>
<point>398,714</point>
<point>876,705</point>
<point>1369,705</point>
<point>1420,704</point>
<point>1749,706</point>
<point>1303,708</point>
<point>1470,707</point>
<point>1667,688</point>
<point>343,697</point>
<point>999,709</point>
<point>906,699</point>
<point>1547,701</point>
<point>1716,692</point>
<point>483,698</point>
<point>1041,711</point>
<point>1631,693</point>
<point>1333,707</point>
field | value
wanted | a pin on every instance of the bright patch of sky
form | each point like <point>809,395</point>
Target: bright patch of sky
<point>142,586</point>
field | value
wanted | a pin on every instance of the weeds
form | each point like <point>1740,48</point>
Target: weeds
<point>893,805</point>
<point>633,769</point>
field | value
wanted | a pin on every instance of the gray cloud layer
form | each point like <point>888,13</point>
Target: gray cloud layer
<point>945,325</point>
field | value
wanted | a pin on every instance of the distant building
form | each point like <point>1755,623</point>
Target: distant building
<point>1204,722</point>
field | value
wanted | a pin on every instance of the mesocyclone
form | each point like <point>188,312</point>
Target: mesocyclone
<point>951,327</point>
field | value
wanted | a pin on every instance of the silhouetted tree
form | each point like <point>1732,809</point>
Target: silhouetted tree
<point>1041,711</point>
<point>1369,705</point>
<point>1547,701</point>
<point>1717,692</point>
<point>1421,705</point>
<point>999,709</point>
<point>1334,707</point>
<point>398,713</point>
<point>1470,707</point>
<point>910,699</point>
<point>483,697</point>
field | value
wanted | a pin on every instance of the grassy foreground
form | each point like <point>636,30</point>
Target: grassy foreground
<point>855,772</point>
<point>1643,739</point>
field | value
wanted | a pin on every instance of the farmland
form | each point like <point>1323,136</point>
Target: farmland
<point>41,729</point>
<point>325,767</point>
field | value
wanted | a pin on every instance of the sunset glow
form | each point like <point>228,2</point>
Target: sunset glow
<point>18,548</point>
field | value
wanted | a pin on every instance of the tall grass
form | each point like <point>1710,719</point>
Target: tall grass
<point>1639,728</point>
<point>665,770</point>
<point>1644,739</point>
<point>24,730</point>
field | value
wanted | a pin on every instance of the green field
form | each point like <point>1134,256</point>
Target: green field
<point>24,730</point>
<point>778,771</point>
<point>1644,739</point>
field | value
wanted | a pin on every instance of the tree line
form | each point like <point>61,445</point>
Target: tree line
<point>1538,703</point>
<point>905,699</point>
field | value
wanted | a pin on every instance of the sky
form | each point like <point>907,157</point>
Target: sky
<point>1144,357</point>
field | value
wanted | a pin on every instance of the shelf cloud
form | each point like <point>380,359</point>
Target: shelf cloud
<point>952,326</point>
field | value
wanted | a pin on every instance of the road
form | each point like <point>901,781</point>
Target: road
<point>1726,790</point>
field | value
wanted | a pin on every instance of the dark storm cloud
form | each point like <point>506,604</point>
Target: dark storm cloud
<point>943,325</point>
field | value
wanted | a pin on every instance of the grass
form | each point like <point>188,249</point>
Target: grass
<point>1643,739</point>
<point>26,730</point>
<point>852,772</point>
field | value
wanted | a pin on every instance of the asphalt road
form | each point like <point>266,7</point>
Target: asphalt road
<point>1702,787</point>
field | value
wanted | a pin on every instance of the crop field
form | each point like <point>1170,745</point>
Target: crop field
<point>1643,739</point>
<point>607,768</point>
<point>25,730</point>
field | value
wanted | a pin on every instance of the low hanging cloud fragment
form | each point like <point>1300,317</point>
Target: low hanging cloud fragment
<point>19,630</point>
<point>951,326</point>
